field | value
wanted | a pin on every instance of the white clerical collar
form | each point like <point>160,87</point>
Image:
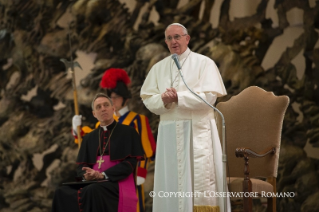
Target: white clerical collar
<point>184,54</point>
<point>104,128</point>
<point>123,110</point>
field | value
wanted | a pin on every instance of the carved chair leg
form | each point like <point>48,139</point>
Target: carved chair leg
<point>270,204</point>
<point>248,201</point>
<point>247,187</point>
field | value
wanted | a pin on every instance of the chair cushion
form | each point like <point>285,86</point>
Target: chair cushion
<point>236,185</point>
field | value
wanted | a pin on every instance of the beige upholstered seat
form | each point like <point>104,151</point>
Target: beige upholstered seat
<point>236,185</point>
<point>253,121</point>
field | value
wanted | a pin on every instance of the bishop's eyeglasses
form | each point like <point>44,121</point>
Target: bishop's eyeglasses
<point>176,37</point>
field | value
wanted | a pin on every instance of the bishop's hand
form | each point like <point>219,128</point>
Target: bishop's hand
<point>91,174</point>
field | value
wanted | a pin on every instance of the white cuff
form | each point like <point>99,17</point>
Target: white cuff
<point>105,177</point>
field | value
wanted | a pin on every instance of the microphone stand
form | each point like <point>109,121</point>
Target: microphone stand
<point>224,156</point>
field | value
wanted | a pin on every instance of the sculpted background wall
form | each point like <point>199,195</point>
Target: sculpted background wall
<point>34,36</point>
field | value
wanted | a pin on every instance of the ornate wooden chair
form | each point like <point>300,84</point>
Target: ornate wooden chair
<point>253,121</point>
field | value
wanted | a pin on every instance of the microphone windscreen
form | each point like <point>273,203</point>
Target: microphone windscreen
<point>175,58</point>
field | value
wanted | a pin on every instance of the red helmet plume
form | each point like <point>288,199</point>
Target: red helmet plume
<point>116,80</point>
<point>112,76</point>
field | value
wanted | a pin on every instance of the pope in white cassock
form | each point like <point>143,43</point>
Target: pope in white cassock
<point>188,168</point>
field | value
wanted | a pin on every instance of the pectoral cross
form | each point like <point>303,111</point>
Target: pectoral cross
<point>100,162</point>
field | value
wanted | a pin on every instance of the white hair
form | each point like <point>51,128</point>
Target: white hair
<point>177,24</point>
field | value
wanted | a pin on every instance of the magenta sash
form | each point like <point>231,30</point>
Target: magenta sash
<point>127,193</point>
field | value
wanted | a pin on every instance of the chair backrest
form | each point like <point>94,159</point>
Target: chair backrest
<point>253,119</point>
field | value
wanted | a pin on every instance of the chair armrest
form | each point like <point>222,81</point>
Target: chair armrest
<point>247,184</point>
<point>245,152</point>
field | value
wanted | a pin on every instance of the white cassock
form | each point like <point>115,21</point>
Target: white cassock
<point>188,152</point>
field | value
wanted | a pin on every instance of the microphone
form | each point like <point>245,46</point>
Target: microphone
<point>175,58</point>
<point>224,155</point>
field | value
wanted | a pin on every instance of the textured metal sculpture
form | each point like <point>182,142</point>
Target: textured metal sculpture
<point>32,44</point>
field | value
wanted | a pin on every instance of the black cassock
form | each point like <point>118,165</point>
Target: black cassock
<point>124,146</point>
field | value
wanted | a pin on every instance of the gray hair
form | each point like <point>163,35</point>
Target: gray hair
<point>100,95</point>
<point>177,24</point>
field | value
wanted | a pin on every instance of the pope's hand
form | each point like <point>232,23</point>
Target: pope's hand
<point>169,96</point>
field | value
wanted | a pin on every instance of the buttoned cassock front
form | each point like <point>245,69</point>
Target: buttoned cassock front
<point>188,155</point>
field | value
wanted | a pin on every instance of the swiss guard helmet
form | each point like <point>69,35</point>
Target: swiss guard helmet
<point>116,80</point>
